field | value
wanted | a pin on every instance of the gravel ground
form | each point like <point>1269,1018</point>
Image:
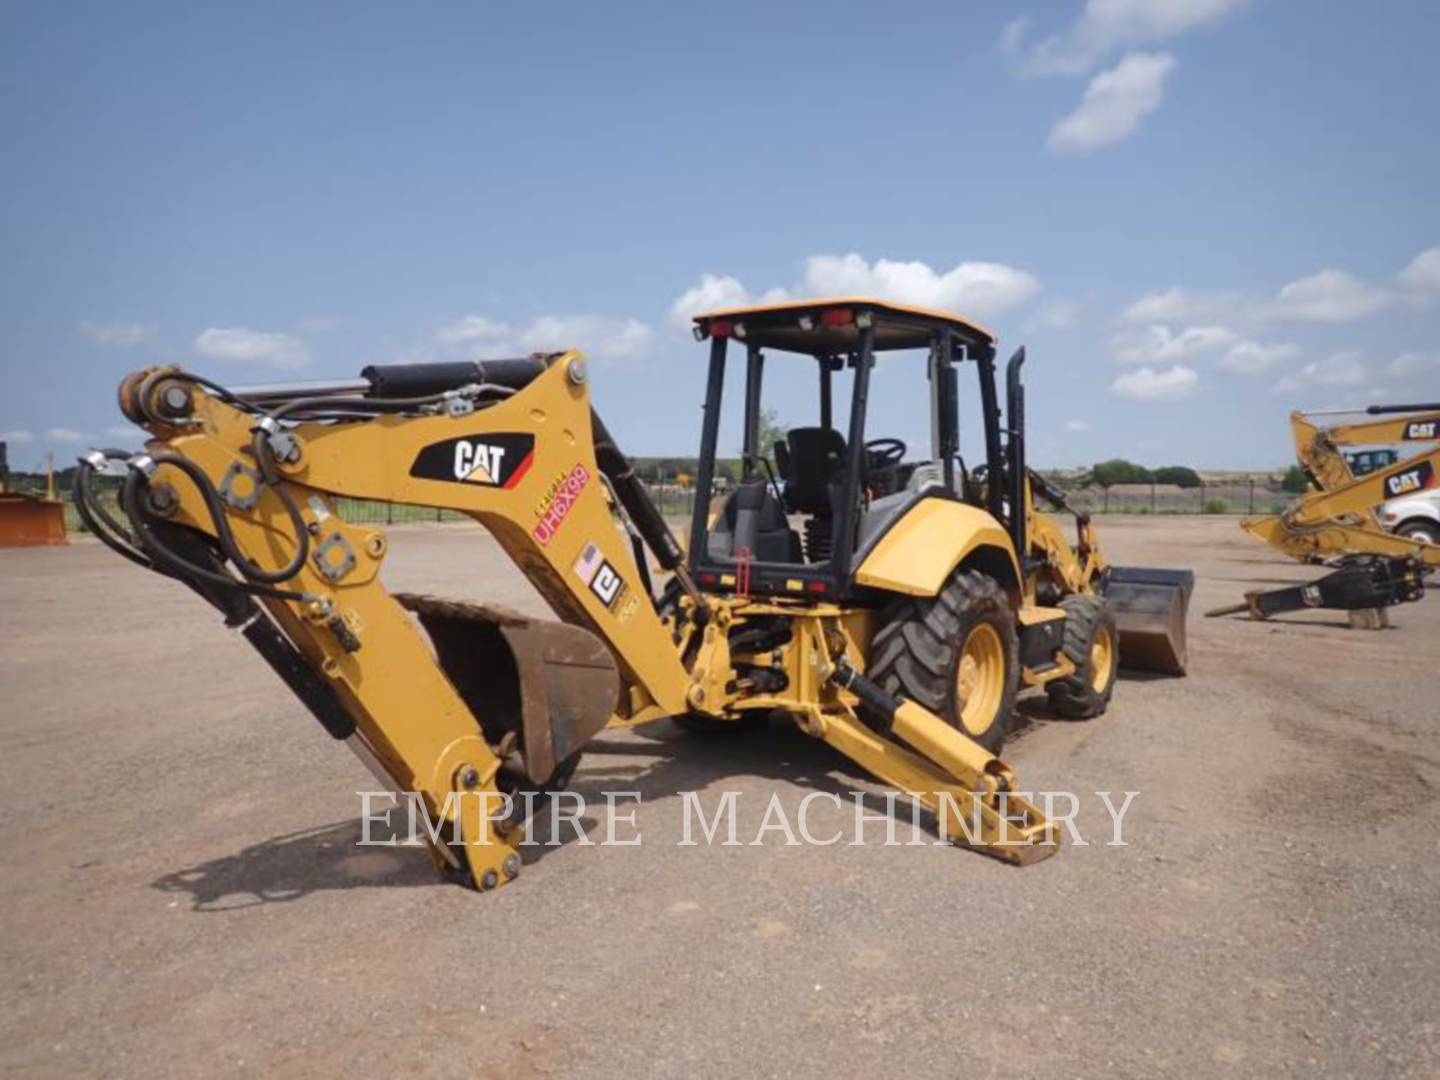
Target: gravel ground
<point>183,895</point>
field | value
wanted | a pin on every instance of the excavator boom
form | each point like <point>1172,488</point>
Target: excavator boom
<point>1335,521</point>
<point>1337,517</point>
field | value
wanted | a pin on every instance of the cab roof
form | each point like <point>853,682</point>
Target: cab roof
<point>829,325</point>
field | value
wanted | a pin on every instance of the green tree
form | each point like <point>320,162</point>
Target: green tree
<point>1119,471</point>
<point>1179,475</point>
<point>771,432</point>
<point>1294,481</point>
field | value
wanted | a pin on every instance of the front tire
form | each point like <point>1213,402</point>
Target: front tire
<point>956,653</point>
<point>1093,645</point>
<point>1423,531</point>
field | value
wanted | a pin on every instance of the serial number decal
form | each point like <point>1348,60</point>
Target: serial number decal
<point>1422,431</point>
<point>498,460</point>
<point>1409,481</point>
<point>554,513</point>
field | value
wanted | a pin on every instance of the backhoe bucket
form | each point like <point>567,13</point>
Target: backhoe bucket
<point>553,685</point>
<point>1150,607</point>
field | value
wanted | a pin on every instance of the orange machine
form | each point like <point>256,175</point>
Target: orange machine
<point>29,520</point>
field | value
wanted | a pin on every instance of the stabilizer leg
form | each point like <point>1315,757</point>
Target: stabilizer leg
<point>972,793</point>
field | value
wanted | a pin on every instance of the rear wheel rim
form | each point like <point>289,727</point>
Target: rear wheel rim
<point>980,679</point>
<point>1102,659</point>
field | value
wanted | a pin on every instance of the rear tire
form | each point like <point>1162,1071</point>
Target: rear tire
<point>956,653</point>
<point>1092,644</point>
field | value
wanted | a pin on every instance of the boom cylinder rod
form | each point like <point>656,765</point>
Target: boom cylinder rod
<point>265,392</point>
<point>1381,410</point>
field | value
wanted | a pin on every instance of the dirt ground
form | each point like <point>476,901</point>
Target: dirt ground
<point>183,894</point>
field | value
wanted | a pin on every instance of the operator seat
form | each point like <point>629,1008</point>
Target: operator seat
<point>812,461</point>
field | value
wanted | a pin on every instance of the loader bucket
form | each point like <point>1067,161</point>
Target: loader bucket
<point>1150,607</point>
<point>553,685</point>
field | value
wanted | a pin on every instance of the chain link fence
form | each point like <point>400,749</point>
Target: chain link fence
<point>678,501</point>
<point>1247,497</point>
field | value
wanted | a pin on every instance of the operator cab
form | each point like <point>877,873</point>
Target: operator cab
<point>809,506</point>
<point>1364,461</point>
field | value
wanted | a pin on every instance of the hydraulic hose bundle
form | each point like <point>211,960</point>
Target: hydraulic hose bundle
<point>138,538</point>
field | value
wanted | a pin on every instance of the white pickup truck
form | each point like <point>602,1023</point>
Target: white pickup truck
<point>1415,516</point>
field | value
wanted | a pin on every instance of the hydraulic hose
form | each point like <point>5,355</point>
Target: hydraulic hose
<point>178,565</point>
<point>222,526</point>
<point>350,408</point>
<point>214,387</point>
<point>243,614</point>
<point>99,521</point>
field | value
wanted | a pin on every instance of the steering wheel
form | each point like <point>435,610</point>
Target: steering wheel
<point>886,452</point>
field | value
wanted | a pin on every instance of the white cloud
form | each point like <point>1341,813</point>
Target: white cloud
<point>1328,296</point>
<point>1014,33</point>
<point>1415,363</point>
<point>1253,358</point>
<point>1105,26</point>
<point>1178,305</point>
<point>65,435</point>
<point>714,291</point>
<point>16,436</point>
<point>115,335</point>
<point>975,289</point>
<point>601,337</point>
<point>979,289</point>
<point>1341,369</point>
<point>473,328</point>
<point>124,431</point>
<point>1422,275</point>
<point>1160,344</point>
<point>1060,315</point>
<point>1114,104</point>
<point>238,345</point>
<point>1147,384</point>
<point>1077,425</point>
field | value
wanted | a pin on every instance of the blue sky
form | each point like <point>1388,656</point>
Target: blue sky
<point>1197,214</point>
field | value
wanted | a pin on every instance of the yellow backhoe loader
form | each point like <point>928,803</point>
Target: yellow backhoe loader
<point>895,618</point>
<point>1334,522</point>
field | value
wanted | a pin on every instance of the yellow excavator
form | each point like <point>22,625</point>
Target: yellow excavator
<point>1335,523</point>
<point>891,608</point>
